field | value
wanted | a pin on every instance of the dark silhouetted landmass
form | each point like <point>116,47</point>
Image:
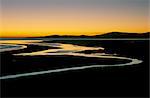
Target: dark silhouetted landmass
<point>124,35</point>
<point>107,35</point>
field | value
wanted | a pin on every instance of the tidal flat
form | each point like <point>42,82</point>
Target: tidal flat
<point>117,81</point>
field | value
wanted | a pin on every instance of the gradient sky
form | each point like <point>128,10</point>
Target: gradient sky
<point>21,18</point>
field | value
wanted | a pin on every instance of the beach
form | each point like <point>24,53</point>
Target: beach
<point>107,81</point>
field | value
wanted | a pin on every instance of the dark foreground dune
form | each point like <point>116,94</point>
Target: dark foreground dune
<point>127,81</point>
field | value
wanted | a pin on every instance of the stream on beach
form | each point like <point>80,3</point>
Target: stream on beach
<point>62,49</point>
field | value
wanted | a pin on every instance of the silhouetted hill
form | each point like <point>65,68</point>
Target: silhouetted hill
<point>124,35</point>
<point>107,35</point>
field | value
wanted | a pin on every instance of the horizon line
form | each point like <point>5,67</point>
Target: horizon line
<point>72,34</point>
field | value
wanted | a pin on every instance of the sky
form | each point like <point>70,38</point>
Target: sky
<point>22,18</point>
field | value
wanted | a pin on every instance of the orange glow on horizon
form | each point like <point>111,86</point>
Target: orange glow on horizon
<point>27,20</point>
<point>40,34</point>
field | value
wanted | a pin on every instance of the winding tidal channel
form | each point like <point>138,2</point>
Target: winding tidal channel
<point>62,49</point>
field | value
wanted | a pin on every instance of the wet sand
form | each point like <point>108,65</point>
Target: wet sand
<point>110,81</point>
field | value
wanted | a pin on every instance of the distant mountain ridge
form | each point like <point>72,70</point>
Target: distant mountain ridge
<point>124,35</point>
<point>107,35</point>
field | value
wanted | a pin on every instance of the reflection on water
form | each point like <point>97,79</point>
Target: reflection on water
<point>10,47</point>
<point>66,49</point>
<point>18,41</point>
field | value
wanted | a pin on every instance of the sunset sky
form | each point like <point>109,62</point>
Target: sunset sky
<point>24,18</point>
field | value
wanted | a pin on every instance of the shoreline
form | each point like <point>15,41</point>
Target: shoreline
<point>46,62</point>
<point>53,62</point>
<point>87,81</point>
